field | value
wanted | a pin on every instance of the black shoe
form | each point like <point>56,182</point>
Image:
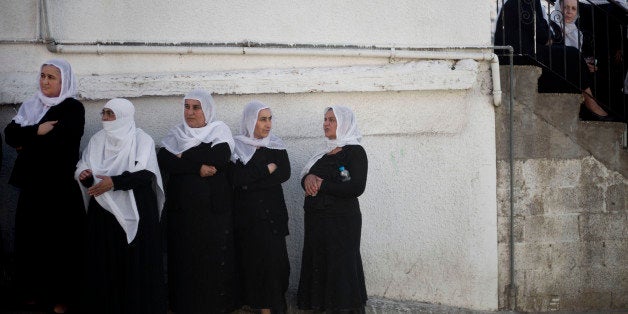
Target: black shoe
<point>588,115</point>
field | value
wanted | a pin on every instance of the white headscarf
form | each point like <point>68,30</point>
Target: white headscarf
<point>34,108</point>
<point>246,143</point>
<point>572,35</point>
<point>117,148</point>
<point>347,133</point>
<point>182,137</point>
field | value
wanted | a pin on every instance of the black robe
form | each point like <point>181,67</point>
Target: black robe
<point>261,222</point>
<point>201,257</point>
<point>122,277</point>
<point>332,277</point>
<point>50,216</point>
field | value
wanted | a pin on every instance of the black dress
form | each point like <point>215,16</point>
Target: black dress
<point>124,277</point>
<point>201,258</point>
<point>50,215</point>
<point>261,221</point>
<point>332,278</point>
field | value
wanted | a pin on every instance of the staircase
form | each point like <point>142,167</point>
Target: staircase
<point>547,125</point>
<point>570,203</point>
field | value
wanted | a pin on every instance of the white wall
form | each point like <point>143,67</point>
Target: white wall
<point>429,209</point>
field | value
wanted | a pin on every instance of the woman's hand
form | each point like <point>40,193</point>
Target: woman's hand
<point>271,167</point>
<point>85,174</point>
<point>207,171</point>
<point>312,184</point>
<point>101,187</point>
<point>46,127</point>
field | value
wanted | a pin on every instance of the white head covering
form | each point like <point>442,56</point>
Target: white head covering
<point>246,143</point>
<point>571,33</point>
<point>347,133</point>
<point>34,108</point>
<point>182,137</point>
<point>121,147</point>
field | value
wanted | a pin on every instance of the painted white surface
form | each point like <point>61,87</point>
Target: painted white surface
<point>423,75</point>
<point>379,22</point>
<point>429,209</point>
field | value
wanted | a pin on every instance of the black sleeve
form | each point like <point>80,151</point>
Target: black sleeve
<point>132,180</point>
<point>175,165</point>
<point>65,133</point>
<point>218,156</point>
<point>70,125</point>
<point>18,136</point>
<point>256,175</point>
<point>87,182</point>
<point>358,167</point>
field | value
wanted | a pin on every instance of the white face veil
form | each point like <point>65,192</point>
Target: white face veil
<point>34,108</point>
<point>347,133</point>
<point>182,137</point>
<point>117,148</point>
<point>246,143</point>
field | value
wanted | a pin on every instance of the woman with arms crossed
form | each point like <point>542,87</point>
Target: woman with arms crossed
<point>195,160</point>
<point>46,132</point>
<point>261,217</point>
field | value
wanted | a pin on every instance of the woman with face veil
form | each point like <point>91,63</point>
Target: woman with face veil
<point>123,194</point>
<point>46,133</point>
<point>195,162</point>
<point>261,216</point>
<point>332,278</point>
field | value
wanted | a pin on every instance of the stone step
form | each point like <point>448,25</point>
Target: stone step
<point>547,125</point>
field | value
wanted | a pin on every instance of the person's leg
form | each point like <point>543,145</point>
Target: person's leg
<point>591,104</point>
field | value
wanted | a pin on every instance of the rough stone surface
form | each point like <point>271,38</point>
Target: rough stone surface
<point>569,196</point>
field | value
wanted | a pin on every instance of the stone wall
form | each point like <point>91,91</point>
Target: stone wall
<point>570,209</point>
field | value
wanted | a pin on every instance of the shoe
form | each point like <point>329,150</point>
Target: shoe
<point>588,115</point>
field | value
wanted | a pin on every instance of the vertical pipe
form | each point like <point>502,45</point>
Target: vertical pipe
<point>511,247</point>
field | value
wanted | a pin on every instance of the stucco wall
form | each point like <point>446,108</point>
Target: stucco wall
<point>429,209</point>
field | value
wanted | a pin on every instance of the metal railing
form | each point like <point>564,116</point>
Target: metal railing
<point>593,56</point>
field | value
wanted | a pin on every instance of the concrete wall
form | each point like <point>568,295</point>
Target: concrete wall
<point>570,207</point>
<point>429,209</point>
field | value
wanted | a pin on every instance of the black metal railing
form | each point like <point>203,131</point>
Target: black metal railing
<point>588,60</point>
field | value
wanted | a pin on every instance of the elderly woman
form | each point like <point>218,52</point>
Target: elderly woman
<point>123,194</point>
<point>332,278</point>
<point>522,25</point>
<point>261,217</point>
<point>195,160</point>
<point>46,132</point>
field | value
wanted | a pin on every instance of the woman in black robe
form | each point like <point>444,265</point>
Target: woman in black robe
<point>522,25</point>
<point>261,216</point>
<point>195,162</point>
<point>123,194</point>
<point>332,278</point>
<point>46,132</point>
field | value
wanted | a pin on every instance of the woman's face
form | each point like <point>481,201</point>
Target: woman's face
<point>50,81</point>
<point>107,114</point>
<point>330,124</point>
<point>264,124</point>
<point>193,113</point>
<point>570,10</point>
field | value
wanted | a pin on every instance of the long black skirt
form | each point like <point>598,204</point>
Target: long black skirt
<point>49,243</point>
<point>201,261</point>
<point>332,277</point>
<point>123,277</point>
<point>263,268</point>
